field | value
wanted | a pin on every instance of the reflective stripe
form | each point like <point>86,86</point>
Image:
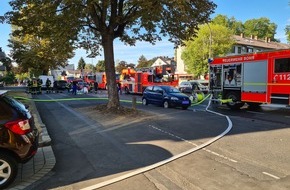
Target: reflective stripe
<point>255,84</point>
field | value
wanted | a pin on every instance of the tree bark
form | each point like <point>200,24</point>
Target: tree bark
<point>113,96</point>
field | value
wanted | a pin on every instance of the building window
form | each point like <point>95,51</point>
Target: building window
<point>233,49</point>
<point>250,50</point>
<point>239,50</point>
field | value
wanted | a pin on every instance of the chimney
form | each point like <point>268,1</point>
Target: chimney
<point>269,40</point>
<point>266,39</point>
<point>251,36</point>
<point>242,35</point>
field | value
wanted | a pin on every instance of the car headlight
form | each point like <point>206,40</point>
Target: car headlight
<point>174,98</point>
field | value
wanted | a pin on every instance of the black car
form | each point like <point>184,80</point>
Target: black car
<point>167,96</point>
<point>59,85</point>
<point>18,137</point>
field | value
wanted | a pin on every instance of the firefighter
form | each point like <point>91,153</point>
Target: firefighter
<point>29,86</point>
<point>39,84</point>
<point>119,88</point>
<point>48,85</point>
<point>34,86</point>
<point>68,86</point>
<point>96,86</point>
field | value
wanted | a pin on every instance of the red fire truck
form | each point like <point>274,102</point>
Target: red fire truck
<point>100,78</point>
<point>136,81</point>
<point>255,79</point>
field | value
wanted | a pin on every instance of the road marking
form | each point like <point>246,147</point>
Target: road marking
<point>271,175</point>
<point>158,164</point>
<point>173,135</point>
<point>219,155</point>
<point>187,141</point>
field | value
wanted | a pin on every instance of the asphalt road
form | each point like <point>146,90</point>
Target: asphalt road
<point>254,154</point>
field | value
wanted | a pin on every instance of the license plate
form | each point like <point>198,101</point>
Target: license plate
<point>185,102</point>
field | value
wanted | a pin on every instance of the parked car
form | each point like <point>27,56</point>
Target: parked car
<point>59,85</point>
<point>167,96</point>
<point>189,86</point>
<point>18,137</point>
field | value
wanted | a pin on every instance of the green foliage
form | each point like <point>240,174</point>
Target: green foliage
<point>212,40</point>
<point>7,62</point>
<point>22,76</point>
<point>9,78</point>
<point>123,65</point>
<point>93,25</point>
<point>81,64</point>
<point>143,62</point>
<point>100,66</point>
<point>261,28</point>
<point>236,26</point>
<point>287,31</point>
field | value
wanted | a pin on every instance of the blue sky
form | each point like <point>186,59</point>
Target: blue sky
<point>278,11</point>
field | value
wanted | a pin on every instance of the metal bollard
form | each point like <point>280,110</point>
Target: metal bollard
<point>134,102</point>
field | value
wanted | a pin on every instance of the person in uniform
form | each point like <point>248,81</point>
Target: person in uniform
<point>48,85</point>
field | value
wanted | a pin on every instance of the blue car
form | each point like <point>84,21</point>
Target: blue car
<point>166,96</point>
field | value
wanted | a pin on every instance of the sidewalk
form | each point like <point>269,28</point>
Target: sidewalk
<point>41,164</point>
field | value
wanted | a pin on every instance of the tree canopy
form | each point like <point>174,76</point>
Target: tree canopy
<point>260,27</point>
<point>212,40</point>
<point>143,62</point>
<point>94,25</point>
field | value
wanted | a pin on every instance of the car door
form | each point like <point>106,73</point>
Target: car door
<point>158,95</point>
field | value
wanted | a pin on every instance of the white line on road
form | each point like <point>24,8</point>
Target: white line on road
<point>271,175</point>
<point>158,164</point>
<point>219,155</point>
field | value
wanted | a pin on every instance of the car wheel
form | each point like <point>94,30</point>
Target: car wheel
<point>8,171</point>
<point>184,107</point>
<point>166,104</point>
<point>144,102</point>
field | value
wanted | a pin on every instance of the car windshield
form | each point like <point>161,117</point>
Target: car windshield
<point>170,89</point>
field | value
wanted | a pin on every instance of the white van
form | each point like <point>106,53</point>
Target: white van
<point>43,78</point>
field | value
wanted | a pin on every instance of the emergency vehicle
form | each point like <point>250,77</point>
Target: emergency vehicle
<point>100,78</point>
<point>255,78</point>
<point>133,81</point>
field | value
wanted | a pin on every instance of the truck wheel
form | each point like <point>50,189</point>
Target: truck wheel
<point>234,105</point>
<point>254,106</point>
<point>9,169</point>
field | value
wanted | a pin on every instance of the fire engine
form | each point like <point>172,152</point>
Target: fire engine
<point>135,81</point>
<point>100,78</point>
<point>255,78</point>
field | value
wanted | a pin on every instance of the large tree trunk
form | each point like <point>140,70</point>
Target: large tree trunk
<point>113,96</point>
